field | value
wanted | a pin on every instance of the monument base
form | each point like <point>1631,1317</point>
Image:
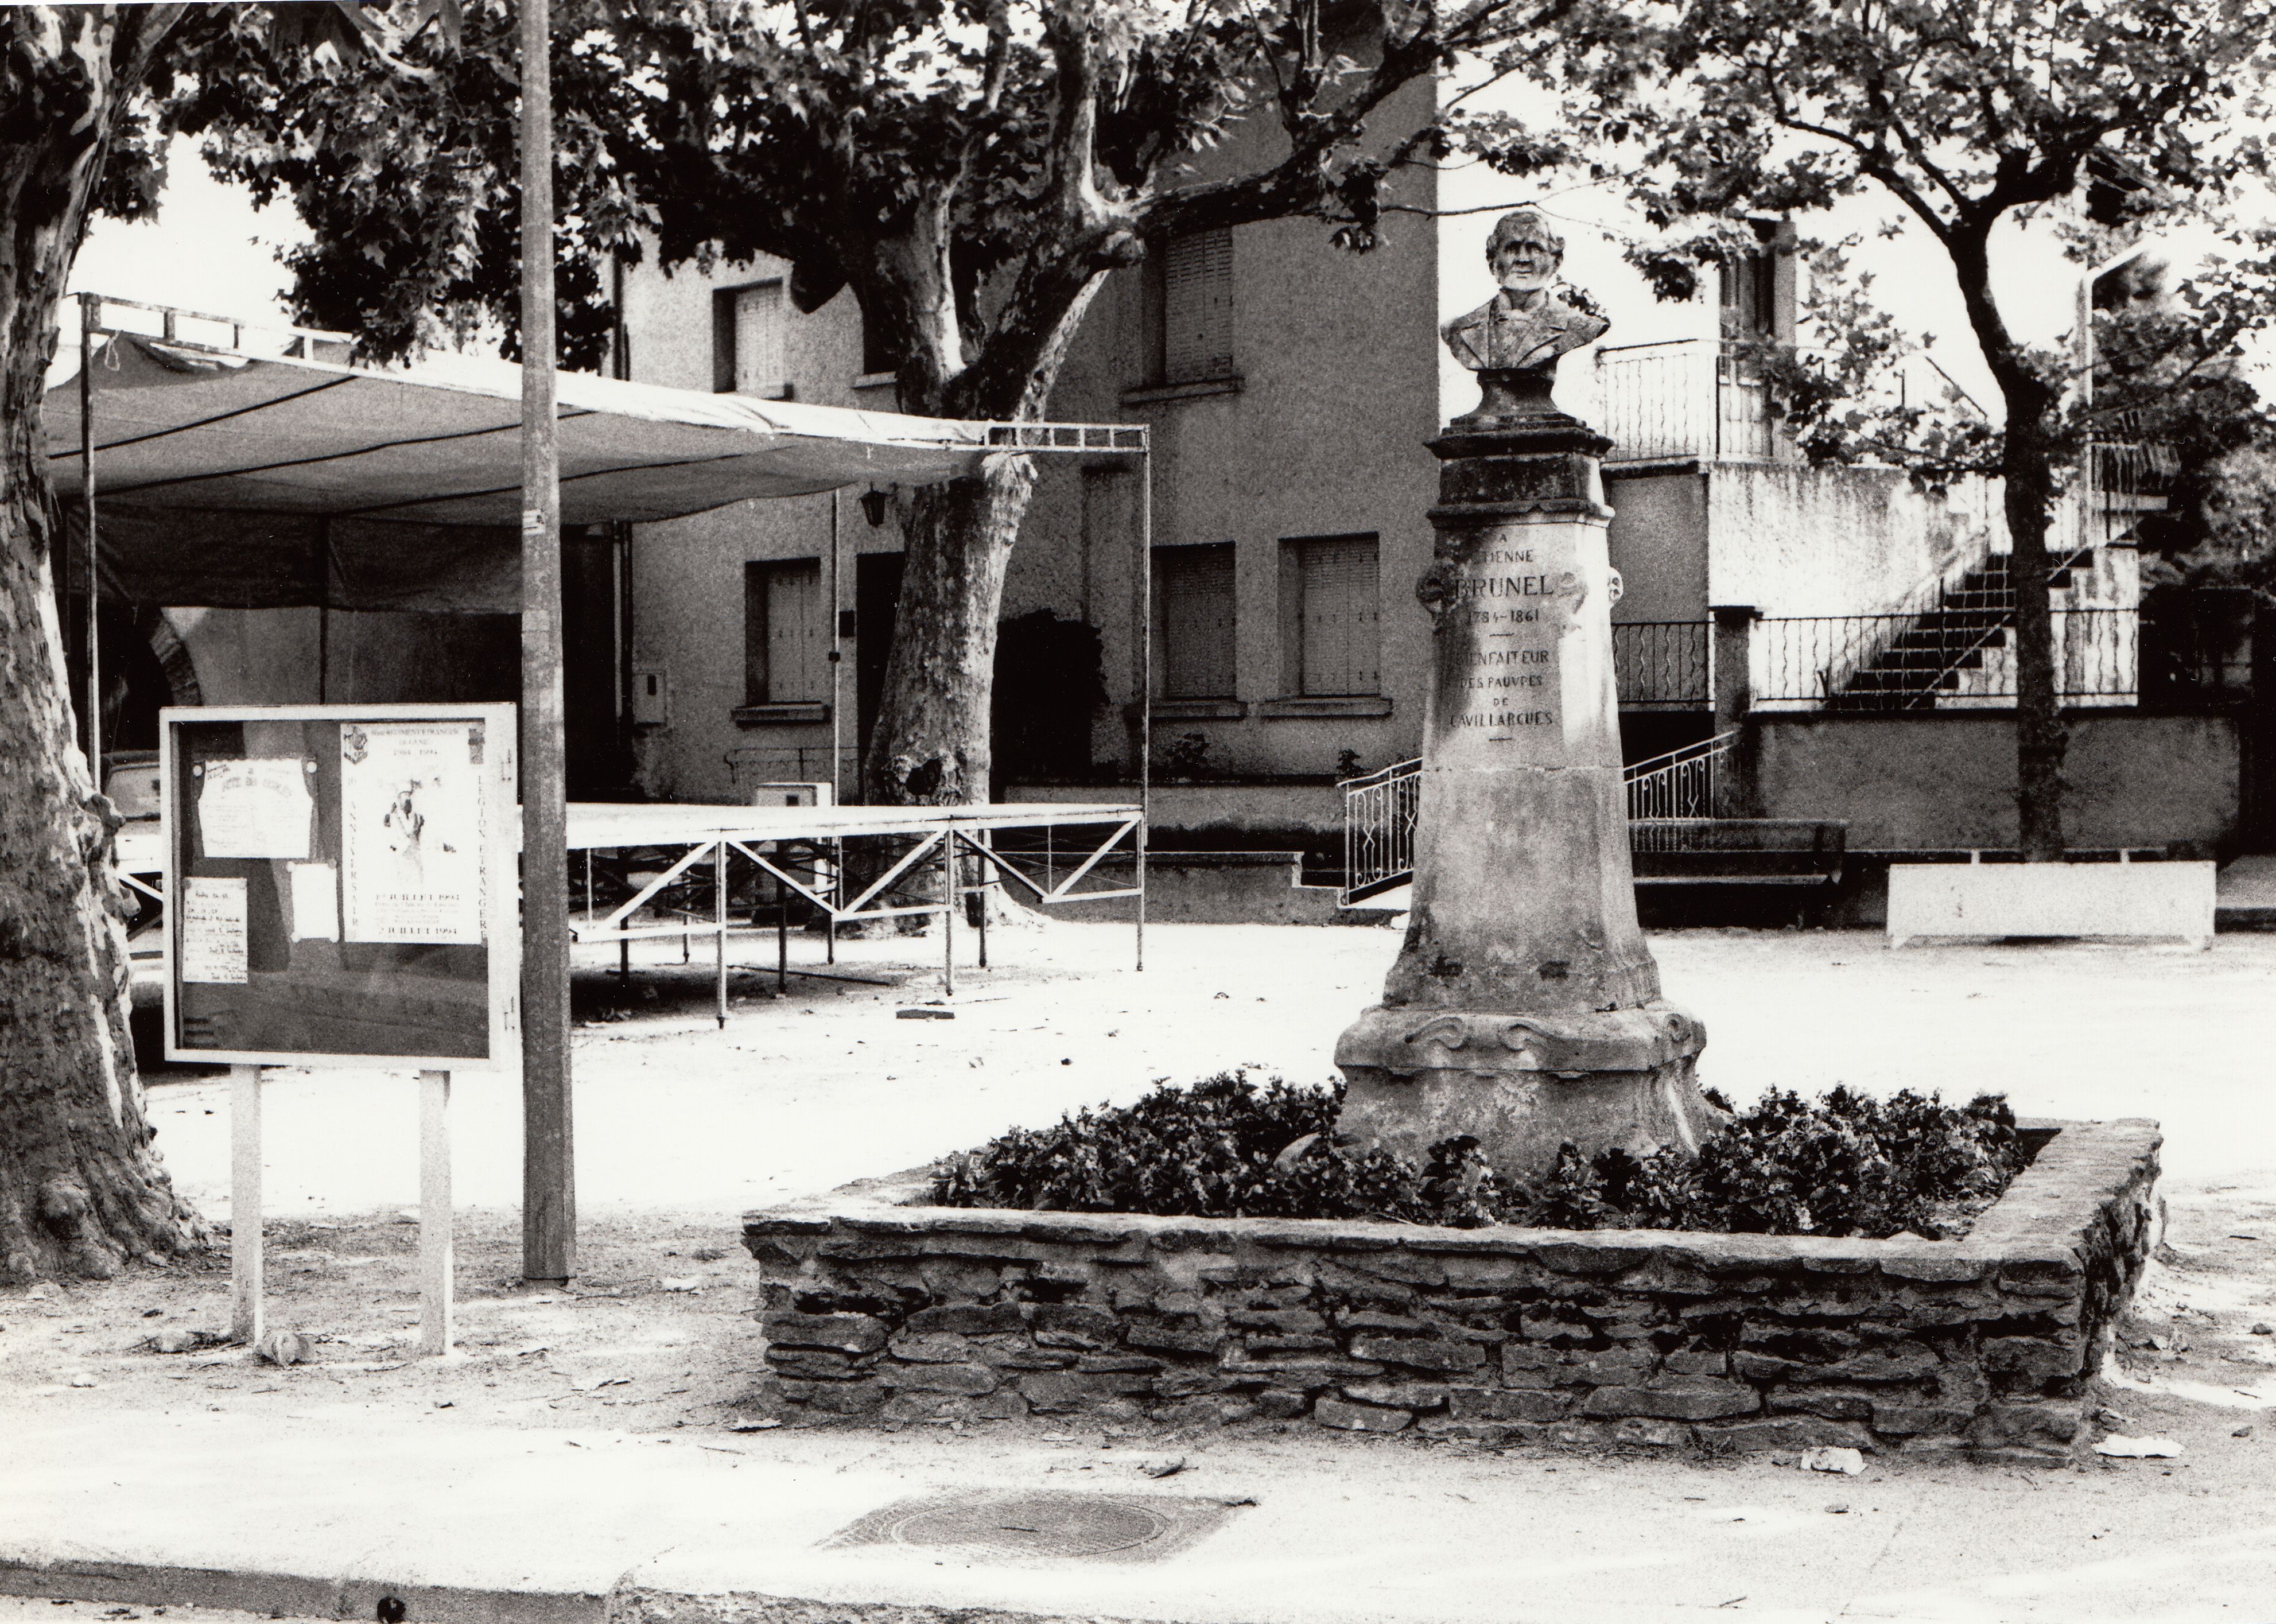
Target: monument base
<point>1524,1086</point>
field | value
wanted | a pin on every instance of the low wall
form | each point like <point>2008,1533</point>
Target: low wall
<point>1943,780</point>
<point>1219,888</point>
<point>883,1311</point>
<point>1268,808</point>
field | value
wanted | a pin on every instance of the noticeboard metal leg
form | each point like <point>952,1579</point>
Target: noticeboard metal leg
<point>719,921</point>
<point>438,1311</point>
<point>782,940</point>
<point>245,1257</point>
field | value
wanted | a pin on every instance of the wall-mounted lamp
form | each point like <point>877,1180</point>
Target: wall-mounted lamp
<point>873,506</point>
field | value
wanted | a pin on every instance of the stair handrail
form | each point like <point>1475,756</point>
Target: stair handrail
<point>1702,756</point>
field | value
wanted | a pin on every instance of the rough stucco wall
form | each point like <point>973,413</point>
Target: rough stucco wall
<point>1931,782</point>
<point>688,574</point>
<point>1794,540</point>
<point>1658,539</point>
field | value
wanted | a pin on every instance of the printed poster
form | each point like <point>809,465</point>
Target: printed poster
<point>256,808</point>
<point>411,828</point>
<point>212,928</point>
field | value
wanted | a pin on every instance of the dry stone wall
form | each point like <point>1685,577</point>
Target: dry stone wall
<point>881,1311</point>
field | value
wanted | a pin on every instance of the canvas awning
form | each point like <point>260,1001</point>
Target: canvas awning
<point>183,429</point>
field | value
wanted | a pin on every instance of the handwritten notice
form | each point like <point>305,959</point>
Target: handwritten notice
<point>256,808</point>
<point>410,831</point>
<point>315,893</point>
<point>213,930</point>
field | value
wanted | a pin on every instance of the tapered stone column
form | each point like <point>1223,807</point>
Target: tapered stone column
<point>1524,1009</point>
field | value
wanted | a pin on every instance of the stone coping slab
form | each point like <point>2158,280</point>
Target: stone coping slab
<point>883,1308</point>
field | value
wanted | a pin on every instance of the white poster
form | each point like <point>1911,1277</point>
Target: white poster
<point>410,827</point>
<point>213,930</point>
<point>315,901</point>
<point>255,808</point>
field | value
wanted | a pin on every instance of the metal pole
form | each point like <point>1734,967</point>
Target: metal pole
<point>1145,672</point>
<point>837,668</point>
<point>719,923</point>
<point>245,1254</point>
<point>948,915</point>
<point>89,314</point>
<point>549,1180</point>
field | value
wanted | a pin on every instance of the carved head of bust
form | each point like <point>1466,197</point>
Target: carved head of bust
<point>1525,253</point>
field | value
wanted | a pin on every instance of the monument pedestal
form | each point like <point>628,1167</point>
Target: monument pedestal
<point>1524,1009</point>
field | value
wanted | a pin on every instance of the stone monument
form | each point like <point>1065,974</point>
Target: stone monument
<point>1524,1009</point>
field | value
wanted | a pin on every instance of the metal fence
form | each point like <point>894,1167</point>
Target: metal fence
<point>1683,397</point>
<point>1661,665</point>
<point>1380,808</point>
<point>1937,660</point>
<point>1379,829</point>
<point>1684,783</point>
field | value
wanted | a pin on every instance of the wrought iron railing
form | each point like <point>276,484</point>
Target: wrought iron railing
<point>1688,782</point>
<point>1661,665</point>
<point>1379,829</point>
<point>1937,659</point>
<point>1380,808</point>
<point>1684,397</point>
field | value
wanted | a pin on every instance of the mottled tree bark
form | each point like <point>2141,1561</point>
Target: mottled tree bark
<point>2041,739</point>
<point>81,1188</point>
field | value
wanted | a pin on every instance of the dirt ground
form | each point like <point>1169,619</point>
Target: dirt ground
<point>682,1126</point>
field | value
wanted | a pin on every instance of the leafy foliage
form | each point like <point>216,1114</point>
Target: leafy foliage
<point>1847,1165</point>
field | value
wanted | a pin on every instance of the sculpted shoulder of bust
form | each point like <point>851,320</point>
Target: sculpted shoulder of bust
<point>1535,319</point>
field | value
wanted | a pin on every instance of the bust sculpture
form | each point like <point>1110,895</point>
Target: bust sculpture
<point>1522,330</point>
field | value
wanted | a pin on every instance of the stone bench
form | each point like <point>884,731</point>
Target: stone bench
<point>1737,851</point>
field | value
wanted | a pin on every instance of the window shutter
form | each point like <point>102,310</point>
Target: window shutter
<point>794,632</point>
<point>1197,306</point>
<point>1194,621</point>
<point>1339,614</point>
<point>759,367</point>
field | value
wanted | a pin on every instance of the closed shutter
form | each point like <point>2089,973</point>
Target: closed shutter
<point>1341,647</point>
<point>794,631</point>
<point>759,367</point>
<point>1197,306</point>
<point>1194,621</point>
<point>784,639</point>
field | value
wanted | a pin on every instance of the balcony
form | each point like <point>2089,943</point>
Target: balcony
<point>1683,397</point>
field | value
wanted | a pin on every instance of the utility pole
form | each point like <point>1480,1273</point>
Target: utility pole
<point>549,1177</point>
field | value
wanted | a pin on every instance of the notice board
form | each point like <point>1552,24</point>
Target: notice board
<point>341,885</point>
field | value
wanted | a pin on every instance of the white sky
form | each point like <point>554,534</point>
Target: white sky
<point>208,250</point>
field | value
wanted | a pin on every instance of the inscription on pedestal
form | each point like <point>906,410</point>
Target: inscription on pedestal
<point>1505,689</point>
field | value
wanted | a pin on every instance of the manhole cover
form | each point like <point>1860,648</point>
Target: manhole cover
<point>1127,1528</point>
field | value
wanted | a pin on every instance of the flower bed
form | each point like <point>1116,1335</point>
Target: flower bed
<point>880,1310</point>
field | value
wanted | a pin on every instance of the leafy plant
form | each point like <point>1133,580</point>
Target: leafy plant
<point>1848,1165</point>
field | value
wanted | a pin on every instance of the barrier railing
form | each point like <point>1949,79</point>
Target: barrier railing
<point>1661,665</point>
<point>1937,659</point>
<point>1380,808</point>
<point>1683,397</point>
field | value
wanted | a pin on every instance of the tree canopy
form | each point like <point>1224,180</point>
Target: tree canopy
<point>2094,117</point>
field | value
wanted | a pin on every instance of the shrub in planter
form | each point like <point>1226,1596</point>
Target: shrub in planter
<point>1847,1165</point>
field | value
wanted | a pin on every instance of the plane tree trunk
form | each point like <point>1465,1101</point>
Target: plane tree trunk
<point>81,1187</point>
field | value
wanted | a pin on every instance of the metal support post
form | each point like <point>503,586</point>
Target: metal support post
<point>89,315</point>
<point>948,914</point>
<point>719,921</point>
<point>1146,675</point>
<point>245,1257</point>
<point>439,1312</point>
